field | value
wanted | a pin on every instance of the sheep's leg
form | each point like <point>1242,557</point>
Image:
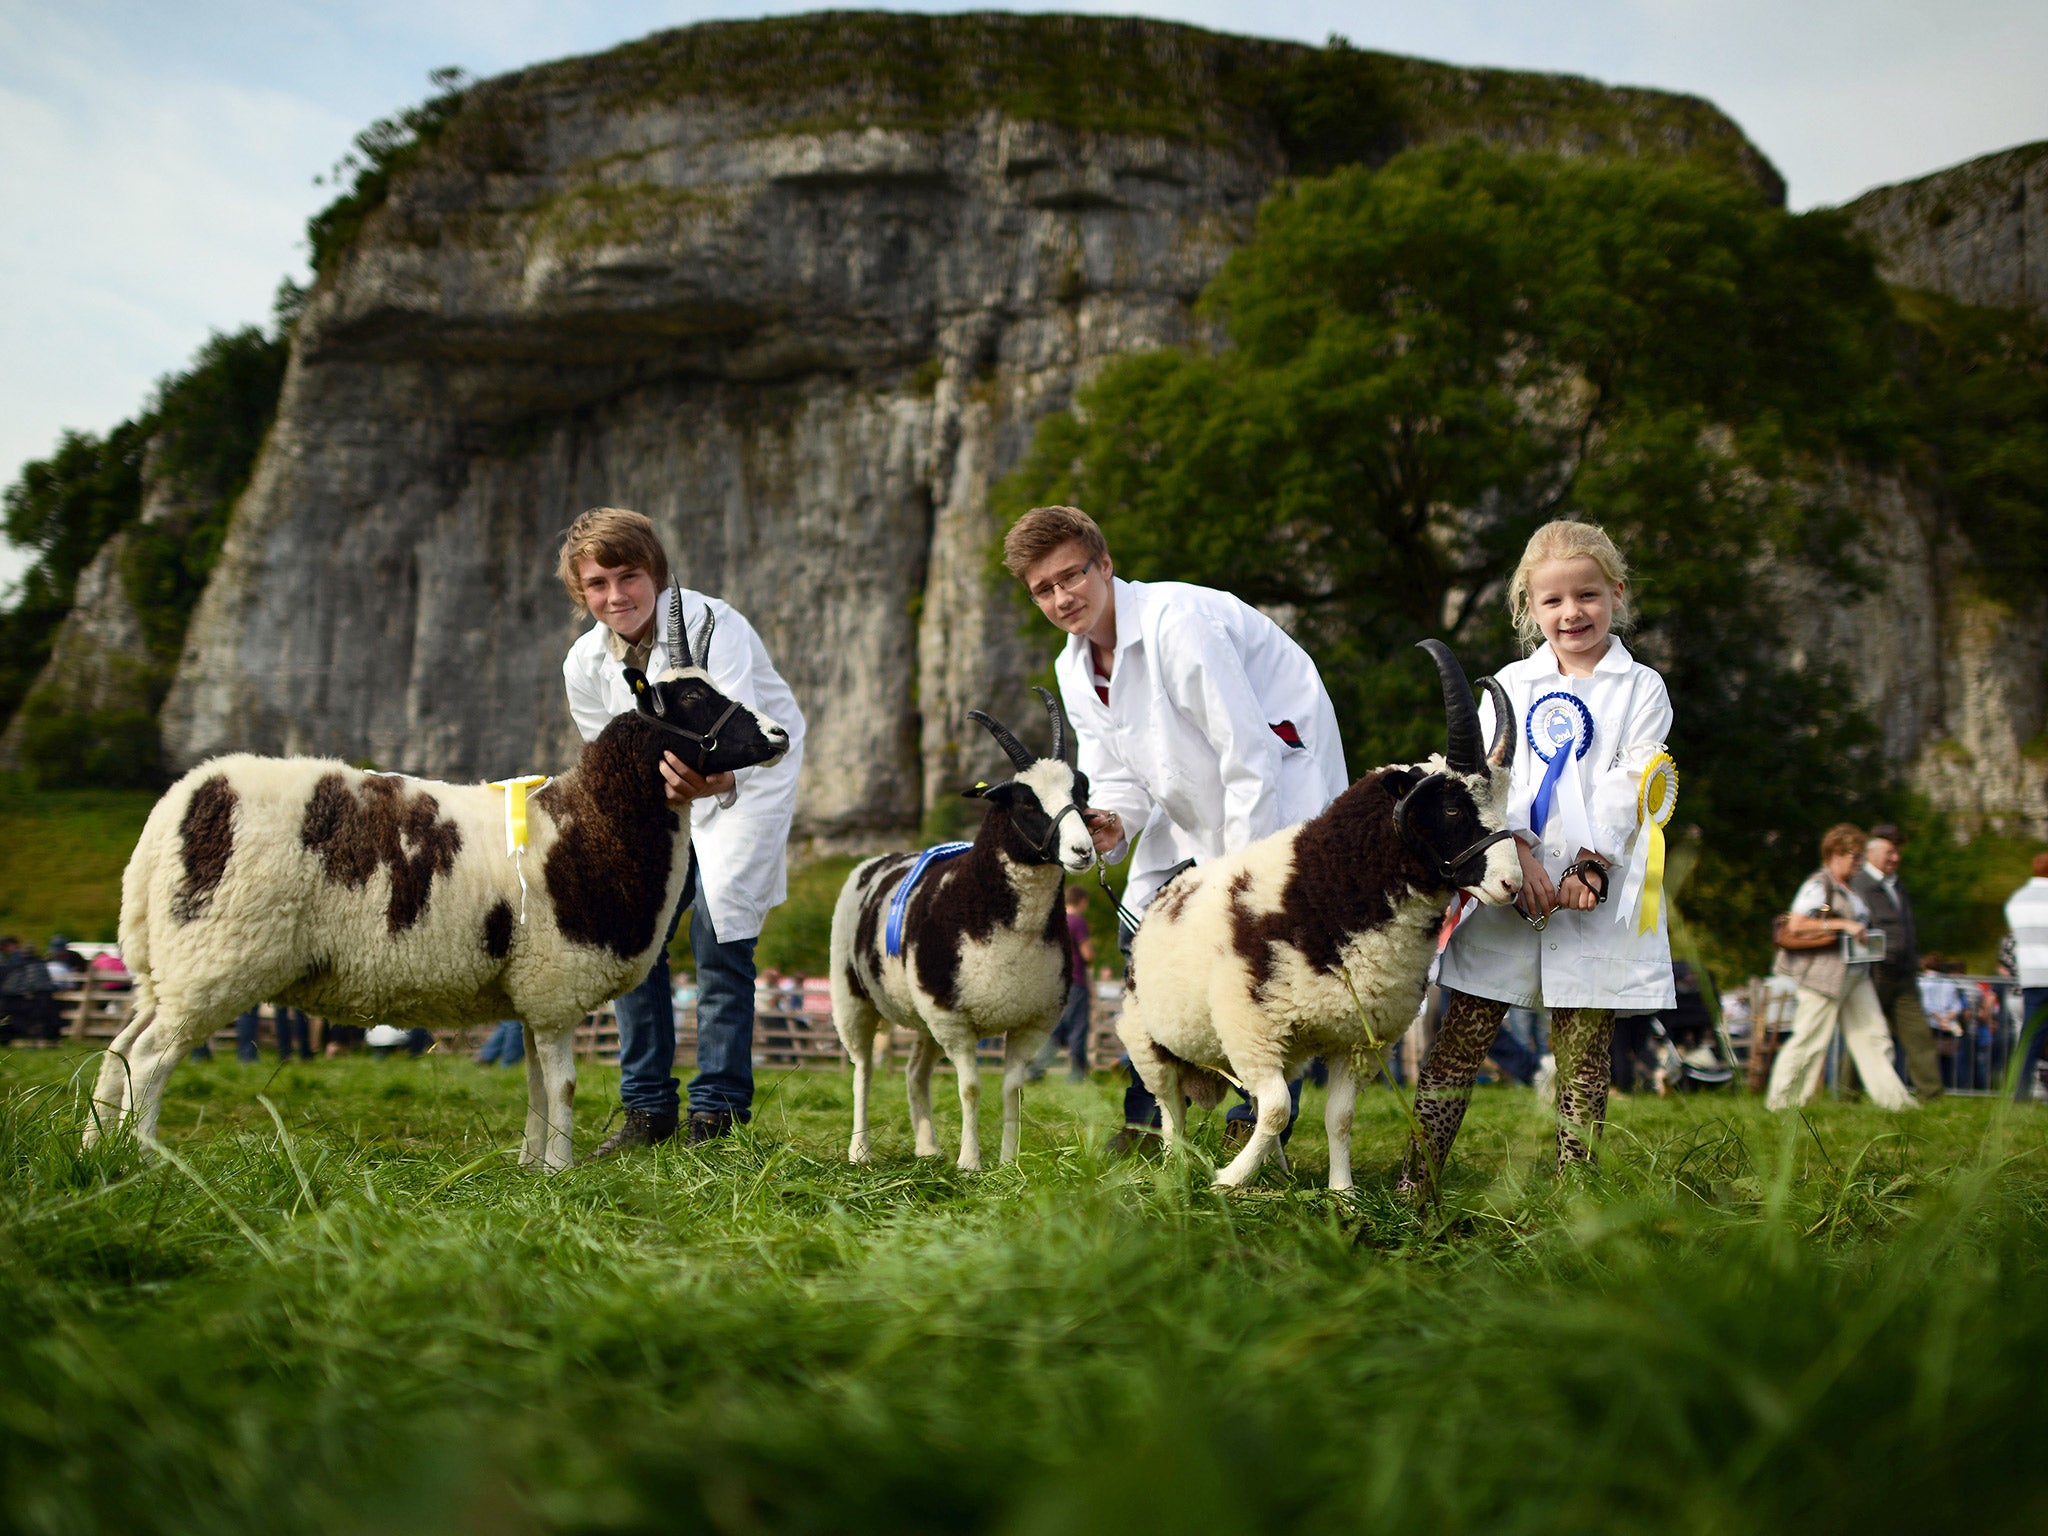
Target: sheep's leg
<point>1337,1117</point>
<point>558,1077</point>
<point>533,1145</point>
<point>1018,1049</point>
<point>1269,1093</point>
<point>156,1051</point>
<point>967,1067</point>
<point>110,1093</point>
<point>917,1083</point>
<point>1158,1072</point>
<point>856,1020</point>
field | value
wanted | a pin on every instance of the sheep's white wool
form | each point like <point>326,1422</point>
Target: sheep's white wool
<point>1197,1002</point>
<point>279,924</point>
<point>1010,980</point>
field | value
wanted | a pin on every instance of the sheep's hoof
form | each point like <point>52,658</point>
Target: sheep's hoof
<point>859,1153</point>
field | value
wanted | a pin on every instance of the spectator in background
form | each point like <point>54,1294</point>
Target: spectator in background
<point>1895,977</point>
<point>1834,992</point>
<point>27,995</point>
<point>1941,1004</point>
<point>109,972</point>
<point>1072,1029</point>
<point>506,1046</point>
<point>2026,914</point>
<point>66,965</point>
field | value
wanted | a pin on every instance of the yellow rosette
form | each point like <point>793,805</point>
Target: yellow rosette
<point>1656,801</point>
<point>515,825</point>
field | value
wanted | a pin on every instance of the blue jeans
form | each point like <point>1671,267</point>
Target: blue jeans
<point>506,1046</point>
<point>2033,1036</point>
<point>725,1025</point>
<point>725,1022</point>
<point>647,1026</point>
<point>245,1035</point>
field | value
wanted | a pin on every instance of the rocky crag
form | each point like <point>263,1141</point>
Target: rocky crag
<point>800,290</point>
<point>1956,679</point>
<point>1977,232</point>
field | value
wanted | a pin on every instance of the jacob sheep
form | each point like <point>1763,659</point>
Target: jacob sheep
<point>984,944</point>
<point>1316,941</point>
<point>382,897</point>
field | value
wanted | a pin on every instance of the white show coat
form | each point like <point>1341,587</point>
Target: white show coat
<point>742,847</point>
<point>1185,749</point>
<point>1590,959</point>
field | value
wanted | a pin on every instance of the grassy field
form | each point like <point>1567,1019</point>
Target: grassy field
<point>61,856</point>
<point>342,1309</point>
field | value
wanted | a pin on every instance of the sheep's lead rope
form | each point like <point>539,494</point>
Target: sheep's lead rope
<point>515,825</point>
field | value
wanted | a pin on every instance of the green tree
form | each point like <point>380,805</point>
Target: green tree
<point>1429,360</point>
<point>1979,408</point>
<point>201,434</point>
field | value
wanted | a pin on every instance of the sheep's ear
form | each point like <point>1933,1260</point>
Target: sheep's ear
<point>1400,780</point>
<point>977,791</point>
<point>636,680</point>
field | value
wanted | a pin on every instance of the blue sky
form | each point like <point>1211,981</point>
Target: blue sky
<point>158,158</point>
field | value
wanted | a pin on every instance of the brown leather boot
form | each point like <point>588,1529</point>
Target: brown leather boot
<point>640,1130</point>
<point>709,1125</point>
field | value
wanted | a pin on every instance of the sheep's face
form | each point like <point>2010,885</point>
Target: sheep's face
<point>1447,816</point>
<point>707,729</point>
<point>1043,805</point>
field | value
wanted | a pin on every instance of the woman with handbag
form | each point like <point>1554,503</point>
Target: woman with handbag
<point>1834,991</point>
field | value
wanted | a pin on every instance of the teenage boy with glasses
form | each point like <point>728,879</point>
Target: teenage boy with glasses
<point>1201,725</point>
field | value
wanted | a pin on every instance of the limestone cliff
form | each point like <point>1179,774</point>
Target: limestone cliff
<point>799,290</point>
<point>1957,680</point>
<point>1977,232</point>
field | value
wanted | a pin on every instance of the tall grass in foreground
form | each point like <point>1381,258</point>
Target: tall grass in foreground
<point>358,1316</point>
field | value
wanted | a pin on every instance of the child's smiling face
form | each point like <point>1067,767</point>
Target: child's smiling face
<point>1573,602</point>
<point>621,598</point>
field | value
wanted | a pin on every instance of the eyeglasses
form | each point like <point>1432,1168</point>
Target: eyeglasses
<point>1043,592</point>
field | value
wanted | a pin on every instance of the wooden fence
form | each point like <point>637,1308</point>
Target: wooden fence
<point>792,1030</point>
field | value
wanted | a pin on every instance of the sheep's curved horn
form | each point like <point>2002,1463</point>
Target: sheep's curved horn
<point>1466,753</point>
<point>1057,713</point>
<point>700,653</point>
<point>1502,754</point>
<point>1021,757</point>
<point>676,655</point>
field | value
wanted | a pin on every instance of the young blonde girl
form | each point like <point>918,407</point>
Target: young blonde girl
<point>1591,720</point>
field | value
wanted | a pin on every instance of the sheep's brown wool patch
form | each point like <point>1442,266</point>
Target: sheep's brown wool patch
<point>878,879</point>
<point>607,873</point>
<point>382,823</point>
<point>1326,899</point>
<point>498,930</point>
<point>207,836</point>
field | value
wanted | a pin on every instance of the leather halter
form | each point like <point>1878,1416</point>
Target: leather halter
<point>1047,848</point>
<point>1451,870</point>
<point>707,741</point>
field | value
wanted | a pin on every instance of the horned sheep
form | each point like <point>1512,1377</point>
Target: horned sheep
<point>1316,941</point>
<point>378,896</point>
<point>984,948</point>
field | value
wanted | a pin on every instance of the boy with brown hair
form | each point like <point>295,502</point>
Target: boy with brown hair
<point>1200,722</point>
<point>614,568</point>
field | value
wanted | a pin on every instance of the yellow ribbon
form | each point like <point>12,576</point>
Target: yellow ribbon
<point>1656,800</point>
<point>515,825</point>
